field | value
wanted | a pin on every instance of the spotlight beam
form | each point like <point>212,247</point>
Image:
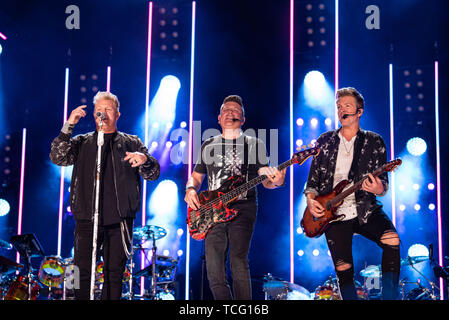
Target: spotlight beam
<point>292,147</point>
<point>147,101</point>
<point>392,154</point>
<point>336,59</point>
<point>192,69</point>
<point>22,182</point>
<point>437,137</point>
<point>61,181</point>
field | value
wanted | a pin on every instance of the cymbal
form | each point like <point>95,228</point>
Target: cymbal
<point>149,232</point>
<point>413,260</point>
<point>284,290</point>
<point>5,245</point>
<point>8,266</point>
<point>371,272</point>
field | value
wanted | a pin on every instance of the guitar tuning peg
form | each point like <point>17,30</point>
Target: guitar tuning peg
<point>298,149</point>
<point>310,145</point>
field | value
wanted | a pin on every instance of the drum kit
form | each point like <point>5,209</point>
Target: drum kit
<point>277,289</point>
<point>418,292</point>
<point>50,281</point>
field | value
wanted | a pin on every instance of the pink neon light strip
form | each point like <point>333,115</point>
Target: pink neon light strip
<point>22,181</point>
<point>393,181</point>
<point>437,135</point>
<point>337,49</point>
<point>3,36</point>
<point>108,80</point>
<point>292,263</point>
<point>192,68</point>
<point>147,101</point>
<point>61,181</point>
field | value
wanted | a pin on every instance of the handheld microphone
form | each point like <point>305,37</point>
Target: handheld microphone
<point>101,115</point>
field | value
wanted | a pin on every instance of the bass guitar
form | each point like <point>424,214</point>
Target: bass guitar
<point>315,227</point>
<point>214,204</point>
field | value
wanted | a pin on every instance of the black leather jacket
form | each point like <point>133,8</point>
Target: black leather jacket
<point>81,151</point>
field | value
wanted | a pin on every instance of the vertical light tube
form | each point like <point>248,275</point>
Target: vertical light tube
<point>147,102</point>
<point>292,150</point>
<point>337,48</point>
<point>437,137</point>
<point>108,79</point>
<point>61,181</point>
<point>22,181</point>
<point>393,181</point>
<point>190,165</point>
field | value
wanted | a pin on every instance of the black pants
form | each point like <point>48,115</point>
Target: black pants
<point>114,257</point>
<point>339,240</point>
<point>233,237</point>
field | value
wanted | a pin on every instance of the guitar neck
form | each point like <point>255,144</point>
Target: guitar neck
<point>357,186</point>
<point>252,183</point>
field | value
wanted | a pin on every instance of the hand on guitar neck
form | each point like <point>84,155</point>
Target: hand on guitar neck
<point>373,184</point>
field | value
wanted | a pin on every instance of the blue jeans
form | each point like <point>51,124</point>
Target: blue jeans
<point>233,238</point>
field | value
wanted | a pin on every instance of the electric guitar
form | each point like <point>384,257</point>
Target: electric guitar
<point>214,204</point>
<point>315,227</point>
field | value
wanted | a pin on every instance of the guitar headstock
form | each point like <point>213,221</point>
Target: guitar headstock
<point>390,166</point>
<point>307,152</point>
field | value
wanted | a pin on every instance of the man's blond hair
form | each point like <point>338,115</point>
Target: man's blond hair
<point>107,96</point>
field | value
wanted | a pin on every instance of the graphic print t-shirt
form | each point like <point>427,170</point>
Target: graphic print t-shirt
<point>221,158</point>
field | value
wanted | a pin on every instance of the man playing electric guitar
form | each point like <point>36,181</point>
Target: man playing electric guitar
<point>231,154</point>
<point>349,153</point>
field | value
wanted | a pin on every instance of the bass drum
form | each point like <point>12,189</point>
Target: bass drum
<point>330,291</point>
<point>18,290</point>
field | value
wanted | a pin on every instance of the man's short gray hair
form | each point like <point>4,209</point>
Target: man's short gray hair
<point>107,96</point>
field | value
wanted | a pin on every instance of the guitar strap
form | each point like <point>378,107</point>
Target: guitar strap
<point>245,168</point>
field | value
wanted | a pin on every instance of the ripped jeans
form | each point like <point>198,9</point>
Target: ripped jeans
<point>379,229</point>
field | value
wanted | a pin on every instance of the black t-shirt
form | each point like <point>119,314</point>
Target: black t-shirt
<point>108,199</point>
<point>221,158</point>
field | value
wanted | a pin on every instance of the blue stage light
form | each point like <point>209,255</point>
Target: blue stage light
<point>164,200</point>
<point>314,80</point>
<point>416,146</point>
<point>317,93</point>
<point>4,207</point>
<point>418,250</point>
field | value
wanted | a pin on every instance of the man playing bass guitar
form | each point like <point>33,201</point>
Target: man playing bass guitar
<point>231,154</point>
<point>349,153</point>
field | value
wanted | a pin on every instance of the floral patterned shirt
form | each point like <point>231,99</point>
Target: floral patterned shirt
<point>370,153</point>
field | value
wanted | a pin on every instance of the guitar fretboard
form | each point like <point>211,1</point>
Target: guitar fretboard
<point>252,183</point>
<point>357,186</point>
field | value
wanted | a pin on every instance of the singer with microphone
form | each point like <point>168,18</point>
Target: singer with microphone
<point>231,154</point>
<point>107,166</point>
<point>349,153</point>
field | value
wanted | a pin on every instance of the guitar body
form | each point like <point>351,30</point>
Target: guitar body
<point>315,227</point>
<point>214,204</point>
<point>212,210</point>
